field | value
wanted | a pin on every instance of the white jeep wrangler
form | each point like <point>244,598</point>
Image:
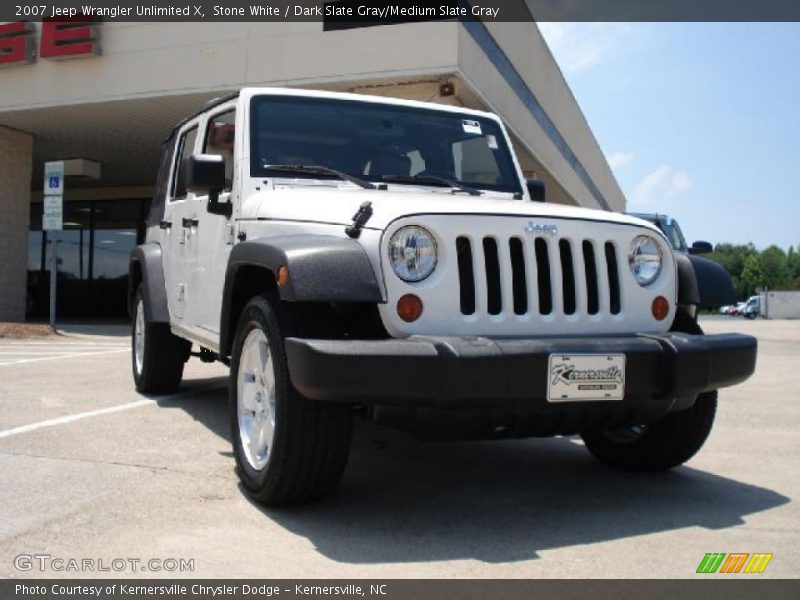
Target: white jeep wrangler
<point>348,254</point>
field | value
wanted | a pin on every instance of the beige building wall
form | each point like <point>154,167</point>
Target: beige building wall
<point>157,59</point>
<point>160,61</point>
<point>558,148</point>
<point>16,154</point>
<point>118,107</point>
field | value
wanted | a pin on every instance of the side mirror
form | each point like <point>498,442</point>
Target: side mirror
<point>701,248</point>
<point>205,174</point>
<point>536,189</point>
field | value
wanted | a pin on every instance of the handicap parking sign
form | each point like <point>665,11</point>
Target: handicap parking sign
<point>54,178</point>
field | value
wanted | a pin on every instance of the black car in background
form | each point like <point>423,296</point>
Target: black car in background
<point>713,282</point>
<point>670,228</point>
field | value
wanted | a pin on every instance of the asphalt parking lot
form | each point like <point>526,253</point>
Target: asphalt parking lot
<point>90,469</point>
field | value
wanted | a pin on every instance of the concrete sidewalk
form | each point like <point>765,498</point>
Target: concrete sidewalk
<point>117,330</point>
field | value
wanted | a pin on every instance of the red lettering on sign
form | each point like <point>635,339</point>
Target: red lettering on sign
<point>17,44</point>
<point>69,37</point>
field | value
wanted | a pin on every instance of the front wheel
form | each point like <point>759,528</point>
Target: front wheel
<point>288,449</point>
<point>659,446</point>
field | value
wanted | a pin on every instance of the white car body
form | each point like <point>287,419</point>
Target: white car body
<point>264,208</point>
<point>388,257</point>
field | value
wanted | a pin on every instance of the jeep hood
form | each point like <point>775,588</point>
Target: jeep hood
<point>338,205</point>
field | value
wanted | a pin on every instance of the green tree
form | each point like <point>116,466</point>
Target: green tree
<point>774,268</point>
<point>752,276</point>
<point>793,267</point>
<point>733,257</point>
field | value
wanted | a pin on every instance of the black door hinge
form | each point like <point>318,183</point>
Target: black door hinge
<point>165,224</point>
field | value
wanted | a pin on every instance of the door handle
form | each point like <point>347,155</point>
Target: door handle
<point>165,224</point>
<point>188,223</point>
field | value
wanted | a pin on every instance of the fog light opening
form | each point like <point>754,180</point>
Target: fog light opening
<point>409,308</point>
<point>660,308</point>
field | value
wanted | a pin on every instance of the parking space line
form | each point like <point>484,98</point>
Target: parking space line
<point>63,356</point>
<point>42,349</point>
<point>44,352</point>
<point>102,411</point>
<point>62,342</point>
<point>59,348</point>
<point>7,344</point>
<point>75,417</point>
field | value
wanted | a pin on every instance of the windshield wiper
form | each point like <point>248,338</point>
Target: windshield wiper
<point>320,170</point>
<point>432,180</point>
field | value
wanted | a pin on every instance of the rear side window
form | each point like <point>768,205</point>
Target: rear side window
<point>185,148</point>
<point>219,139</point>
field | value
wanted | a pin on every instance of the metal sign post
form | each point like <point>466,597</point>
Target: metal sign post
<point>53,221</point>
<point>53,276</point>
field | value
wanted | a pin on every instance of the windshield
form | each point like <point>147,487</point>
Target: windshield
<point>379,143</point>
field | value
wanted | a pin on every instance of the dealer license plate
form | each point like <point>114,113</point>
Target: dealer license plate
<point>586,377</point>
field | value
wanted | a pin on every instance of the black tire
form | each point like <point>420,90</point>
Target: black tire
<point>666,443</point>
<point>663,445</point>
<point>159,368</point>
<point>308,453</point>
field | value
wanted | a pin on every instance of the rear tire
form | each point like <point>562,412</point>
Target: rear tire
<point>663,445</point>
<point>288,449</point>
<point>157,356</point>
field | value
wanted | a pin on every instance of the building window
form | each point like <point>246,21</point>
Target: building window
<point>93,251</point>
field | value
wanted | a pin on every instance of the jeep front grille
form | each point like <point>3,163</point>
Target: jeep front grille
<point>538,276</point>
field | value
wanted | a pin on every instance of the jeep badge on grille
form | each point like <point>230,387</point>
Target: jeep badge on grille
<point>532,227</point>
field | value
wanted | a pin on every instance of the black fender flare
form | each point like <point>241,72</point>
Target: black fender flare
<point>146,267</point>
<point>321,268</point>
<point>703,282</point>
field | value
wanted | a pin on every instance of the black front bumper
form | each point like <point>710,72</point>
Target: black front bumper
<point>662,372</point>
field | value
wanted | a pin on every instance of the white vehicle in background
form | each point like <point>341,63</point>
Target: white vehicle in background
<point>738,310</point>
<point>752,308</point>
<point>352,255</point>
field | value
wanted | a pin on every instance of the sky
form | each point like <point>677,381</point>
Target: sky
<point>700,121</point>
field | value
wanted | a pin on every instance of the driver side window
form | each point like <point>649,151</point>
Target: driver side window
<point>185,148</point>
<point>220,135</point>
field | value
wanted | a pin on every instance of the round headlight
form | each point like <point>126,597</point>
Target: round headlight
<point>412,252</point>
<point>644,259</point>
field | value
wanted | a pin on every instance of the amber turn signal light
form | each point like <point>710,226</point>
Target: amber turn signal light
<point>409,308</point>
<point>660,308</point>
<point>283,275</point>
